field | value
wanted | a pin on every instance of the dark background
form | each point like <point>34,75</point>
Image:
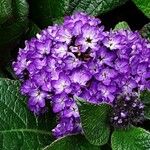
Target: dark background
<point>127,12</point>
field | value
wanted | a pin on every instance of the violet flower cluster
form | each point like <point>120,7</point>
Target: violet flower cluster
<point>127,110</point>
<point>79,58</point>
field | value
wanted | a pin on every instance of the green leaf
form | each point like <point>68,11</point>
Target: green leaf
<point>145,97</point>
<point>93,7</point>
<point>145,31</point>
<point>95,122</point>
<point>131,139</point>
<point>144,6</point>
<point>20,9</point>
<point>58,20</point>
<point>12,32</point>
<point>5,10</point>
<point>19,128</point>
<point>147,111</point>
<point>13,29</point>
<point>32,30</point>
<point>45,11</point>
<point>122,25</point>
<point>74,142</point>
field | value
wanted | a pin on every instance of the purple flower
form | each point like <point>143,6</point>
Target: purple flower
<point>64,35</point>
<point>51,64</point>
<point>78,16</point>
<point>60,50</point>
<point>89,38</point>
<point>108,92</point>
<point>112,42</point>
<point>37,97</point>
<point>80,59</point>
<point>27,86</point>
<point>80,76</point>
<point>43,81</point>
<point>21,65</point>
<point>105,56</point>
<point>128,109</point>
<point>129,85</point>
<point>59,102</point>
<point>43,48</point>
<point>142,68</point>
<point>72,111</point>
<point>77,28</point>
<point>66,126</point>
<point>106,75</point>
<point>62,84</point>
<point>71,62</point>
<point>92,66</point>
<point>122,65</point>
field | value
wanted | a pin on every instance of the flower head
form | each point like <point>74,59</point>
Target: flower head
<point>128,109</point>
<point>79,58</point>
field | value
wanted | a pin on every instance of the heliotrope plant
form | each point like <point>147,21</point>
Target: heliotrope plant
<point>92,78</point>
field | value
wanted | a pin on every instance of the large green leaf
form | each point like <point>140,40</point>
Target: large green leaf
<point>5,10</point>
<point>20,129</point>
<point>131,139</point>
<point>44,12</point>
<point>95,122</point>
<point>74,142</point>
<point>93,7</point>
<point>144,6</point>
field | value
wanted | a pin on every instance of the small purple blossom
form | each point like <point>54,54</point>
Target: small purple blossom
<point>37,97</point>
<point>79,58</point>
<point>80,76</point>
<point>106,75</point>
<point>60,102</point>
<point>62,84</point>
<point>88,38</point>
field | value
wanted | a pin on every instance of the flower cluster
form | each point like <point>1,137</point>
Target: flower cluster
<point>127,110</point>
<point>79,58</point>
